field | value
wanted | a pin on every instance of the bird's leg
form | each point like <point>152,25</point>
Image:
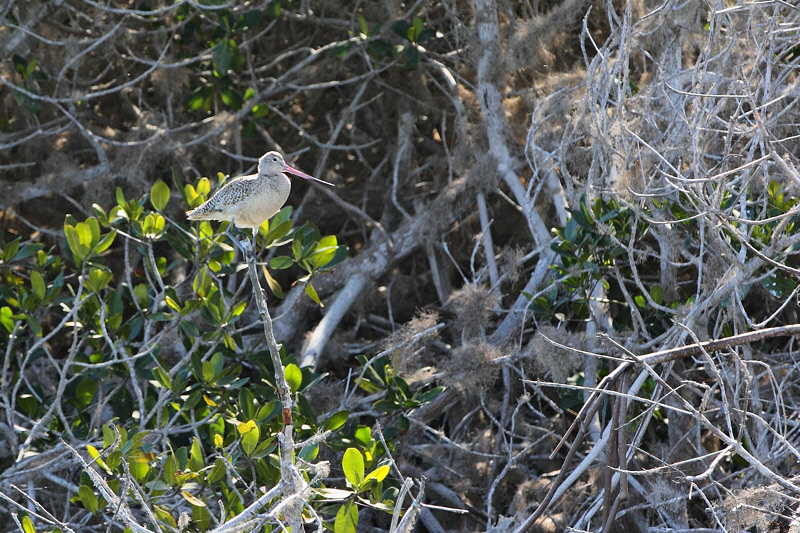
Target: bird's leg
<point>234,239</point>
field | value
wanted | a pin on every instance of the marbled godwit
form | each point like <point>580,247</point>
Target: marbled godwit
<point>247,201</point>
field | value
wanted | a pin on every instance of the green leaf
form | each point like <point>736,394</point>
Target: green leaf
<point>74,243</point>
<point>28,404</point>
<point>217,472</point>
<point>191,498</point>
<point>341,49</point>
<point>346,519</point>
<point>159,195</point>
<point>428,33</point>
<point>401,28</point>
<point>325,251</point>
<point>5,318</point>
<point>231,98</point>
<point>250,440</point>
<point>260,111</point>
<point>277,231</point>
<point>274,286</point>
<point>162,377</point>
<point>199,98</point>
<point>227,56</point>
<point>333,494</point>
<point>274,9</point>
<point>418,25</point>
<point>94,232</point>
<point>98,279</point>
<point>222,56</point>
<point>105,242</point>
<point>336,421</point>
<point>656,294</point>
<point>37,282</point>
<point>27,525</point>
<point>248,21</point>
<point>294,376</point>
<point>363,24</point>
<point>10,250</point>
<point>430,395</point>
<point>309,452</point>
<point>247,403</point>
<point>201,517</point>
<point>30,68</point>
<point>281,262</point>
<point>312,293</point>
<point>85,391</point>
<point>297,247</point>
<point>196,460</point>
<point>19,63</point>
<point>379,474</point>
<point>88,498</point>
<point>353,466</point>
<point>34,325</point>
<point>363,435</point>
<point>411,58</point>
<point>380,47</point>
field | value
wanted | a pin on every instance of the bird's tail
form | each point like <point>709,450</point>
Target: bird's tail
<point>195,214</point>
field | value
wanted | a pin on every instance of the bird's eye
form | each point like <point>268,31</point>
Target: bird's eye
<point>275,159</point>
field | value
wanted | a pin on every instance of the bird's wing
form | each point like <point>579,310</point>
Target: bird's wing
<point>233,192</point>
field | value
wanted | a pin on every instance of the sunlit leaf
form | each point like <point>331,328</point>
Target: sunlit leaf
<point>38,285</point>
<point>379,474</point>
<point>346,519</point>
<point>159,195</point>
<point>336,420</point>
<point>353,466</point>
<point>312,293</point>
<point>294,376</point>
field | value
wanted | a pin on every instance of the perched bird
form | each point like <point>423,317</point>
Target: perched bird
<point>247,201</point>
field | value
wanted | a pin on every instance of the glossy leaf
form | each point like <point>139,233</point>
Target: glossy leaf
<point>294,376</point>
<point>379,474</point>
<point>353,466</point>
<point>88,498</point>
<point>346,519</point>
<point>27,525</point>
<point>336,421</point>
<point>274,286</point>
<point>250,440</point>
<point>312,293</point>
<point>280,262</point>
<point>38,285</point>
<point>159,195</point>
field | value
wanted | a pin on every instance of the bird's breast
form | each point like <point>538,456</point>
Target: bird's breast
<point>267,199</point>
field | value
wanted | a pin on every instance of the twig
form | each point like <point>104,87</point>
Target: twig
<point>290,477</point>
<point>488,246</point>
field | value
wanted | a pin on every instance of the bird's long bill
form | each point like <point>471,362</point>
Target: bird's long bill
<point>292,170</point>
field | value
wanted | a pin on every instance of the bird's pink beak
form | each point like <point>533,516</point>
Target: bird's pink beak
<point>292,170</point>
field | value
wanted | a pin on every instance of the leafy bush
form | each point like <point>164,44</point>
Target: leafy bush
<point>155,363</point>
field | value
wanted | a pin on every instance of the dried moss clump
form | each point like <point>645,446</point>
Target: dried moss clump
<point>408,340</point>
<point>467,368</point>
<point>472,306</point>
<point>754,507</point>
<point>550,353</point>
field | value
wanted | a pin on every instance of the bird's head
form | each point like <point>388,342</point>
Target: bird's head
<point>272,163</point>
